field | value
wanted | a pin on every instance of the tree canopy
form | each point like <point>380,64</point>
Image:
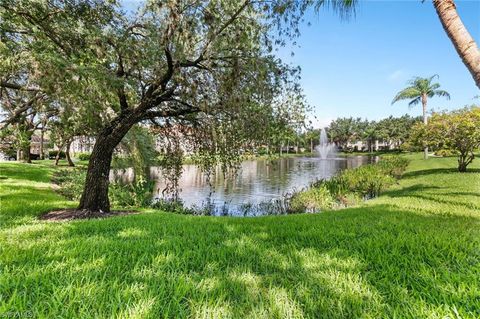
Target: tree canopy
<point>207,66</point>
<point>458,131</point>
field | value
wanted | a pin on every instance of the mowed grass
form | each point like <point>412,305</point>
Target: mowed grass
<point>412,253</point>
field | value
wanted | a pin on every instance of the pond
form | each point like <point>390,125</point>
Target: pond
<point>259,186</point>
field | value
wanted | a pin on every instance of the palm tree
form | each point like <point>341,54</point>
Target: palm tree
<point>419,90</point>
<point>463,42</point>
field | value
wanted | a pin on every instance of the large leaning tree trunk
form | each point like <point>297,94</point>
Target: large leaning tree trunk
<point>425,121</point>
<point>95,194</point>
<point>463,42</point>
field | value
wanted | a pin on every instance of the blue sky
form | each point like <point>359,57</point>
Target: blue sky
<point>355,68</point>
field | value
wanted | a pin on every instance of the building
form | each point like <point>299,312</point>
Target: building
<point>363,146</point>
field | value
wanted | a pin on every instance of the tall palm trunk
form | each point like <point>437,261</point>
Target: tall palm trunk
<point>425,121</point>
<point>463,42</point>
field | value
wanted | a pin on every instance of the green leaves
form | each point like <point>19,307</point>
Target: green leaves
<point>419,87</point>
<point>458,131</point>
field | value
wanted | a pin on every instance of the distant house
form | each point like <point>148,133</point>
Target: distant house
<point>82,144</point>
<point>363,146</point>
<point>36,147</point>
<point>178,134</point>
<point>7,152</point>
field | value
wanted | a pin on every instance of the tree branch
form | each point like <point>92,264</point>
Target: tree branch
<point>18,87</point>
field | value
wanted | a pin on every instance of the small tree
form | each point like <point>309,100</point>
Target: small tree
<point>458,131</point>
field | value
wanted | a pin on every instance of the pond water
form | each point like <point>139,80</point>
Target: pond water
<point>259,186</point>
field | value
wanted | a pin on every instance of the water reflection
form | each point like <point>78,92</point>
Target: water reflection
<point>256,182</point>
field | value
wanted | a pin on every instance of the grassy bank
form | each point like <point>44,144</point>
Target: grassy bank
<point>411,253</point>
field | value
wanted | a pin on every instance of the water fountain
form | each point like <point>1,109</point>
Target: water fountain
<point>325,149</point>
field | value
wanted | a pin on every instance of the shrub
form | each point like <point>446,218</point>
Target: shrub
<point>311,200</point>
<point>368,181</point>
<point>84,156</point>
<point>131,194</point>
<point>350,186</point>
<point>407,146</point>
<point>173,206</point>
<point>336,186</point>
<point>445,153</point>
<point>71,182</point>
<point>53,154</point>
<point>394,166</point>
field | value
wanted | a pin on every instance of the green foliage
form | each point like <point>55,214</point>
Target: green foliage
<point>394,130</point>
<point>350,186</point>
<point>312,200</point>
<point>419,89</point>
<point>368,181</point>
<point>457,131</point>
<point>139,147</point>
<point>344,130</point>
<point>393,165</point>
<point>53,154</point>
<point>408,146</point>
<point>70,182</point>
<point>84,156</point>
<point>165,65</point>
<point>445,153</point>
<point>136,194</point>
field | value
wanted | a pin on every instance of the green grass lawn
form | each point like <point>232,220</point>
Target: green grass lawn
<point>412,253</point>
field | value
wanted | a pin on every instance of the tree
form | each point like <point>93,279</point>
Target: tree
<point>204,65</point>
<point>67,125</point>
<point>370,134</point>
<point>419,90</point>
<point>312,136</point>
<point>344,130</point>
<point>458,131</point>
<point>461,39</point>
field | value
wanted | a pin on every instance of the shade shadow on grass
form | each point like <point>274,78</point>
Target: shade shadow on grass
<point>383,262</point>
<point>434,171</point>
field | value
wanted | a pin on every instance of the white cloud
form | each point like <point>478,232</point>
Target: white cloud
<point>397,75</point>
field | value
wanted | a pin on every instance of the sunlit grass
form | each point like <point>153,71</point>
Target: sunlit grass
<point>412,253</point>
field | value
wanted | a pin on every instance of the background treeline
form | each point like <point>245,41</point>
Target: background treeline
<point>393,132</point>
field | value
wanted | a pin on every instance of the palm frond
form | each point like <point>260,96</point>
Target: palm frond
<point>442,93</point>
<point>407,93</point>
<point>433,77</point>
<point>414,101</point>
<point>344,8</point>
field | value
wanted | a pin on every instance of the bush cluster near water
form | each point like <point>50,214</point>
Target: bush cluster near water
<point>349,186</point>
